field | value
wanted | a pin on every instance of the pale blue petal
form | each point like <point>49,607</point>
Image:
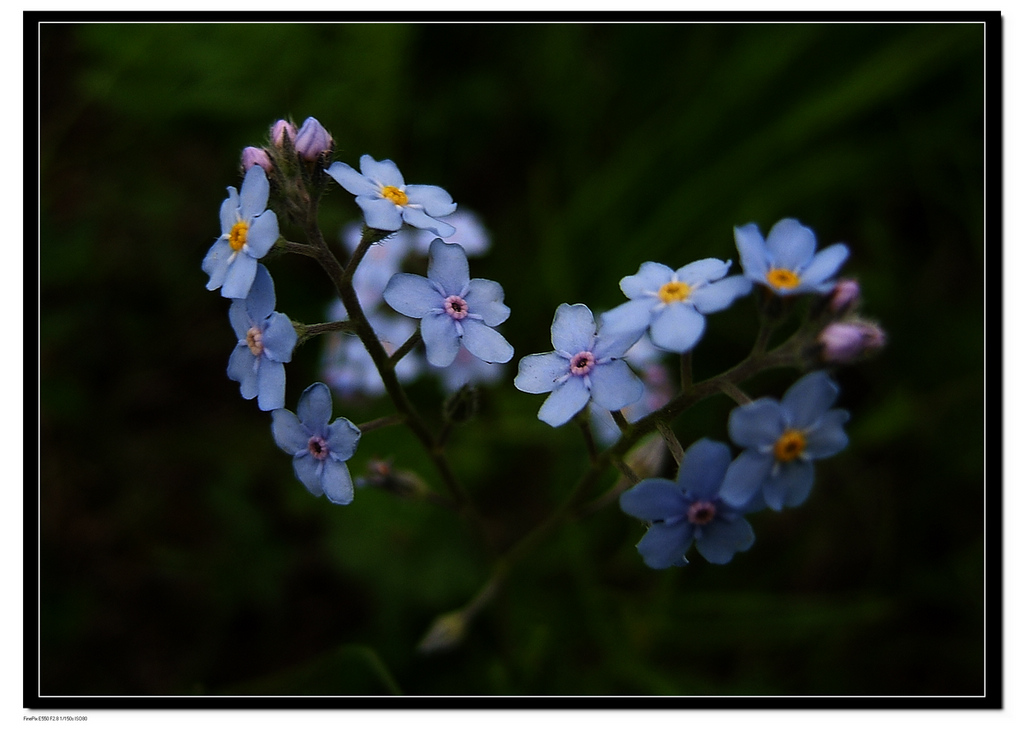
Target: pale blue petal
<point>271,385</point>
<point>380,213</point>
<point>677,327</point>
<point>827,438</point>
<point>538,373</point>
<point>703,469</point>
<point>242,369</point>
<point>808,398</point>
<point>239,278</point>
<point>664,546</point>
<point>279,338</point>
<point>239,318</point>
<point>565,401</point>
<point>289,434</point>
<point>315,408</point>
<point>412,295</point>
<point>720,540</point>
<point>229,211</point>
<point>255,193</point>
<point>342,439</point>
<point>336,482</point>
<point>702,271</point>
<point>790,245</point>
<point>573,328</point>
<point>263,234</point>
<point>216,263</point>
<point>757,424</point>
<point>745,477</point>
<point>383,173</point>
<point>753,256</point>
<point>654,499</point>
<point>631,316</point>
<point>260,301</point>
<point>614,386</point>
<point>418,219</point>
<point>646,281</point>
<point>448,267</point>
<point>352,181</point>
<point>308,470</point>
<point>721,294</point>
<point>485,297</point>
<point>441,339</point>
<point>435,200</point>
<point>790,487</point>
<point>484,342</point>
<point>614,344</point>
<point>824,266</point>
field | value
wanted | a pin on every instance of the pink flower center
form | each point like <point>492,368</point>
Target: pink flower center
<point>254,339</point>
<point>701,513</point>
<point>318,448</point>
<point>581,363</point>
<point>456,307</point>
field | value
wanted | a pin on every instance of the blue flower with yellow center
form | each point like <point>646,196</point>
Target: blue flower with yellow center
<point>689,510</point>
<point>248,230</point>
<point>786,263</point>
<point>782,440</point>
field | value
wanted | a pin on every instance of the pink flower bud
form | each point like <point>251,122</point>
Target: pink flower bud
<point>280,129</point>
<point>844,342</point>
<point>256,156</point>
<point>844,295</point>
<point>312,140</point>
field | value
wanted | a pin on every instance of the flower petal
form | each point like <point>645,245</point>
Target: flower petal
<point>703,468</point>
<point>263,234</point>
<point>255,193</point>
<point>484,342</point>
<point>565,401</point>
<point>229,212</point>
<point>753,255</point>
<point>486,298</point>
<point>383,173</point>
<point>720,295</point>
<point>441,339</point>
<point>434,200</point>
<point>654,499</point>
<point>677,327</point>
<point>271,385</point>
<point>664,546</point>
<point>242,368</point>
<point>418,219</point>
<point>790,486</point>
<point>315,408</point>
<point>259,303</point>
<point>239,318</point>
<point>538,373</point>
<point>240,275</point>
<point>380,213</point>
<point>824,265</point>
<point>308,471</point>
<point>412,295</point>
<point>448,267</point>
<point>216,263</point>
<point>614,344</point>
<point>703,271</point>
<point>336,482</point>
<point>289,434</point>
<point>721,539</point>
<point>646,281</point>
<point>351,180</point>
<point>757,424</point>
<point>613,385</point>
<point>573,328</point>
<point>827,438</point>
<point>631,316</point>
<point>342,439</point>
<point>279,339</point>
<point>745,477</point>
<point>808,398</point>
<point>790,245</point>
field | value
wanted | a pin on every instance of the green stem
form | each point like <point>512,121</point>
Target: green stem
<point>406,347</point>
<point>686,371</point>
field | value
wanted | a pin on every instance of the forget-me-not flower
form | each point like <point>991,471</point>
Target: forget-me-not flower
<point>585,365</point>
<point>248,230</point>
<point>319,449</point>
<point>689,510</point>
<point>386,201</point>
<point>452,308</point>
<point>266,340</point>
<point>781,441</point>
<point>672,304</point>
<point>469,233</point>
<point>786,263</point>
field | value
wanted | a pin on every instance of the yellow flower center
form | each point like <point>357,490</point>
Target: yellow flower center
<point>790,445</point>
<point>238,234</point>
<point>674,291</point>
<point>396,196</point>
<point>783,278</point>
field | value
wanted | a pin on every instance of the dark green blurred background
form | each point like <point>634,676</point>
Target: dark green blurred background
<point>181,556</point>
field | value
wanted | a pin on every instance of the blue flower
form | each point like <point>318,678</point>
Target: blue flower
<point>673,303</point>
<point>471,234</point>
<point>348,367</point>
<point>265,342</point>
<point>781,441</point>
<point>386,200</point>
<point>689,509</point>
<point>468,370</point>
<point>320,449</point>
<point>786,263</point>
<point>248,230</point>
<point>453,308</point>
<point>585,365</point>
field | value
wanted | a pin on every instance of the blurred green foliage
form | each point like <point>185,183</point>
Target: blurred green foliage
<point>179,553</point>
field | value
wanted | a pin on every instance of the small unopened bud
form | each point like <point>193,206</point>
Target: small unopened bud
<point>281,128</point>
<point>256,156</point>
<point>446,633</point>
<point>312,140</point>
<point>844,342</point>
<point>844,296</point>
